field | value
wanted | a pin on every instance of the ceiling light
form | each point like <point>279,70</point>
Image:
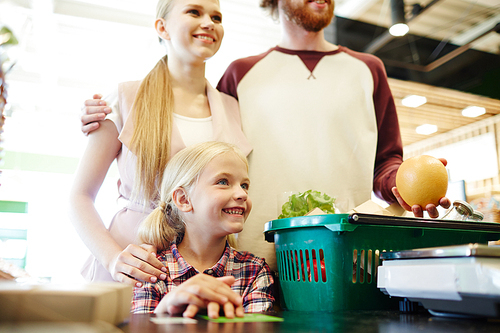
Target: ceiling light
<point>399,29</point>
<point>414,101</point>
<point>426,129</point>
<point>473,111</point>
<point>399,26</point>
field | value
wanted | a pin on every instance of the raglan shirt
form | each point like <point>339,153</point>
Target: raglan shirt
<point>324,121</point>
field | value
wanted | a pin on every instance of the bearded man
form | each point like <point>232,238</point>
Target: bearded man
<point>319,116</point>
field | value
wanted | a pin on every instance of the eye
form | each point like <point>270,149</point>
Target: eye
<point>194,12</point>
<point>245,186</point>
<point>222,182</point>
<point>217,18</point>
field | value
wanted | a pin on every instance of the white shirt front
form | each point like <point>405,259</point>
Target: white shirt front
<point>194,130</point>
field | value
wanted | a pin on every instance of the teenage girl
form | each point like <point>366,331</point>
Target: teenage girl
<point>204,200</point>
<point>151,120</point>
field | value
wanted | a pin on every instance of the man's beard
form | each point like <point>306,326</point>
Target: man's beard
<point>303,17</point>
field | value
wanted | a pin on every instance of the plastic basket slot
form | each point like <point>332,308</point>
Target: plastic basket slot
<point>307,267</point>
<point>322,265</point>
<point>362,267</point>
<point>355,266</point>
<point>301,266</point>
<point>298,262</point>
<point>279,258</point>
<point>281,265</point>
<point>285,266</point>
<point>315,265</point>
<point>369,266</point>
<point>295,265</point>
<point>307,264</point>
<point>366,270</point>
<point>290,265</point>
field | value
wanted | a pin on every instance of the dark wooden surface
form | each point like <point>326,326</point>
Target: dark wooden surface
<point>349,321</point>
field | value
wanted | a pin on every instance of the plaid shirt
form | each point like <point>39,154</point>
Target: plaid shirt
<point>253,279</point>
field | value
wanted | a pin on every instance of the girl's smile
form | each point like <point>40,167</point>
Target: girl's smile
<point>234,211</point>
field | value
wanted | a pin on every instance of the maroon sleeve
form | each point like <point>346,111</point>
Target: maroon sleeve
<point>389,145</point>
<point>228,83</point>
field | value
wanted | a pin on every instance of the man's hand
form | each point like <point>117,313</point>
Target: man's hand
<point>94,110</point>
<point>417,210</point>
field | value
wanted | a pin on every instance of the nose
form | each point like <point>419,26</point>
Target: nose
<point>240,194</point>
<point>207,23</point>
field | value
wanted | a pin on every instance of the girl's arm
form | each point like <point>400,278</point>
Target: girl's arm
<point>199,292</point>
<point>131,265</point>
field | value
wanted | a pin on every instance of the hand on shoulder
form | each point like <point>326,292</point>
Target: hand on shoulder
<point>93,111</point>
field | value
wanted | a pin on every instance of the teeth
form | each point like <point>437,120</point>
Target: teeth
<point>206,38</point>
<point>234,211</point>
<point>320,2</point>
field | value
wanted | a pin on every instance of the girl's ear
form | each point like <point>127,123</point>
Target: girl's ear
<point>181,200</point>
<point>161,29</point>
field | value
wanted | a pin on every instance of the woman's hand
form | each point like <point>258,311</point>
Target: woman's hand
<point>136,264</point>
<point>203,292</point>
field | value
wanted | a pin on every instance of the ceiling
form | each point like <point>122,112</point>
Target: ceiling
<point>451,56</point>
<point>451,43</point>
<point>72,48</point>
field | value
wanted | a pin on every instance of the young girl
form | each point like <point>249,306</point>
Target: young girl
<point>151,120</point>
<point>204,199</point>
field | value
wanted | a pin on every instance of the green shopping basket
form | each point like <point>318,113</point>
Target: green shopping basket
<point>329,262</point>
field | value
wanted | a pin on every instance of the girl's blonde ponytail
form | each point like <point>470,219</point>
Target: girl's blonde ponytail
<point>159,228</point>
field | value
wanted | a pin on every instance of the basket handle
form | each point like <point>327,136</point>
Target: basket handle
<point>371,219</point>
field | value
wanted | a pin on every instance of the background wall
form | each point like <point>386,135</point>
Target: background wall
<point>473,154</point>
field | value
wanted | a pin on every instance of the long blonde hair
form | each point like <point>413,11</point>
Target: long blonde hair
<point>164,224</point>
<point>153,108</point>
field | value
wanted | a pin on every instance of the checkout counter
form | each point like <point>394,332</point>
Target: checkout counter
<point>338,273</point>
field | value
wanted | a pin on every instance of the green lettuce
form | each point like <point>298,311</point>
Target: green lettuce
<point>302,203</point>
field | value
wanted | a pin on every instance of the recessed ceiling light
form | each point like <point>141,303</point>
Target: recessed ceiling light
<point>473,111</point>
<point>399,29</point>
<point>426,129</point>
<point>414,101</point>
